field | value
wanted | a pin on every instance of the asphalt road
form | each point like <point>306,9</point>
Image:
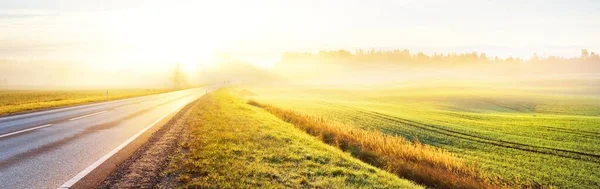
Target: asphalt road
<point>51,149</point>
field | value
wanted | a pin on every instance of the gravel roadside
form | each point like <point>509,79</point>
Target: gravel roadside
<point>143,169</point>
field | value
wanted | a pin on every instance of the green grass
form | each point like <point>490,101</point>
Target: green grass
<point>235,145</point>
<point>522,136</point>
<point>424,164</point>
<point>15,101</point>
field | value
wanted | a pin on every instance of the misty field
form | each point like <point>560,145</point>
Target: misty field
<point>523,136</point>
<point>15,101</point>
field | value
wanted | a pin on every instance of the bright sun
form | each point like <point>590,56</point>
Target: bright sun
<point>156,38</point>
<point>161,38</point>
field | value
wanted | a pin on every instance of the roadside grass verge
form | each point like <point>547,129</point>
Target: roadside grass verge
<point>16,101</point>
<point>429,166</point>
<point>231,144</point>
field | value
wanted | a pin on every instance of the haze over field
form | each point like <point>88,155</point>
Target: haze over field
<point>70,43</point>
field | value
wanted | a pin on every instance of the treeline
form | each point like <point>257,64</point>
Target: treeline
<point>405,56</point>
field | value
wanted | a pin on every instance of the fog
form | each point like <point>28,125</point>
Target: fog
<point>574,75</point>
<point>74,75</point>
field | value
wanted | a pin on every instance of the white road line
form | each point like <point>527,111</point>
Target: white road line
<point>24,130</point>
<point>80,117</point>
<point>121,107</point>
<point>90,168</point>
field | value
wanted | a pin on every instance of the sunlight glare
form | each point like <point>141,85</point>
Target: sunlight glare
<point>157,38</point>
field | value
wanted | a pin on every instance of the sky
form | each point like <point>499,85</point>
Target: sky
<point>116,34</point>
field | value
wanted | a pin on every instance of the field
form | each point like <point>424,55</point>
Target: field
<point>524,136</point>
<point>424,164</point>
<point>231,144</point>
<point>15,101</point>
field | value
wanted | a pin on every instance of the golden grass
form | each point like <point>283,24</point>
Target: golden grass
<point>12,102</point>
<point>413,160</point>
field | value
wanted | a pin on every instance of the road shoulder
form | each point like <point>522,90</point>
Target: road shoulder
<point>142,169</point>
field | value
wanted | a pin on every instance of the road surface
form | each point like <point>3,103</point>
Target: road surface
<point>55,148</point>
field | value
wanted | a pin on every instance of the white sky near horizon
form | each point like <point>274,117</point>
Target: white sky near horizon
<point>136,32</point>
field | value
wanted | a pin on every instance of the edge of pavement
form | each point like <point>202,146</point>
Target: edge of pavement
<point>105,168</point>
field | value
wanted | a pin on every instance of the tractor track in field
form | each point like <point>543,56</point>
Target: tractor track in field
<point>572,131</point>
<point>501,143</point>
<point>499,104</point>
<point>470,137</point>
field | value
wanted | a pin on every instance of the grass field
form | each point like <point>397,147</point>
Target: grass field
<point>14,101</point>
<point>424,164</point>
<point>525,137</point>
<point>231,144</point>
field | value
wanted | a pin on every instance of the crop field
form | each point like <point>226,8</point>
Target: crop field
<point>14,101</point>
<point>530,137</point>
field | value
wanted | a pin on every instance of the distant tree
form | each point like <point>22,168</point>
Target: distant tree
<point>178,77</point>
<point>594,57</point>
<point>483,56</point>
<point>405,56</point>
<point>585,54</point>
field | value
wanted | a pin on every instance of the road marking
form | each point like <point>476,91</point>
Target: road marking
<point>80,117</point>
<point>24,130</point>
<point>95,165</point>
<point>122,107</point>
